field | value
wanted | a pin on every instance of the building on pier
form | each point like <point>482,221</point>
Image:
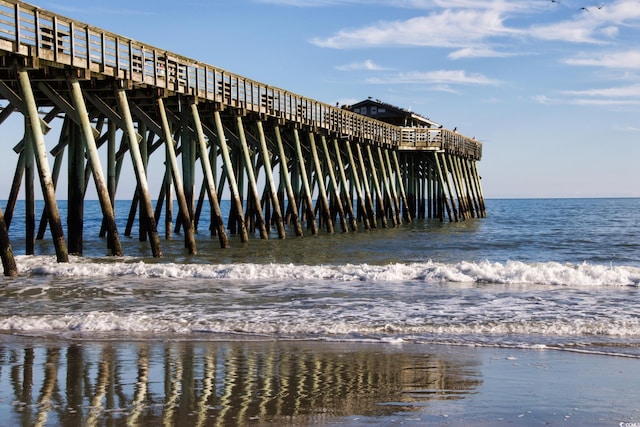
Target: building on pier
<point>391,114</point>
<point>285,159</point>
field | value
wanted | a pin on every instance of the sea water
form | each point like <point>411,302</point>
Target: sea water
<point>526,317</point>
<point>560,273</point>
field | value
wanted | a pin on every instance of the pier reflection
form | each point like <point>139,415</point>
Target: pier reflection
<point>220,383</point>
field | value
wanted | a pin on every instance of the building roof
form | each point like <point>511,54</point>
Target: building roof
<point>391,113</point>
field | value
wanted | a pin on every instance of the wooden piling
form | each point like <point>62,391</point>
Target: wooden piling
<point>233,183</point>
<point>370,210</point>
<point>113,240</point>
<point>376,185</point>
<point>307,201</point>
<point>406,212</point>
<point>6,253</point>
<point>173,171</point>
<point>334,183</point>
<point>323,200</point>
<point>386,185</point>
<point>253,186</point>
<point>148,219</point>
<point>271,181</point>
<point>356,179</point>
<point>75,192</point>
<point>443,179</point>
<point>284,176</point>
<point>208,176</point>
<point>42,163</point>
<point>345,185</point>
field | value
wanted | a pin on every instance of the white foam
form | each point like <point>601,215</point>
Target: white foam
<point>512,272</point>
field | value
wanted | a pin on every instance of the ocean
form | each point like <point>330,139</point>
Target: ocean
<point>536,274</point>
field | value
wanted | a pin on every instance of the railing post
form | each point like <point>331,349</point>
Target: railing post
<point>17,29</point>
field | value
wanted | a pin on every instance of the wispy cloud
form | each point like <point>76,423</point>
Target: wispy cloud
<point>479,52</point>
<point>441,77</point>
<point>477,28</point>
<point>611,92</point>
<point>618,60</point>
<point>617,96</point>
<point>449,28</point>
<point>367,65</point>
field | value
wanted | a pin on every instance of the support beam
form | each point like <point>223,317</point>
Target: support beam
<point>40,152</point>
<point>113,241</point>
<point>405,206</point>
<point>29,191</point>
<point>324,202</point>
<point>284,175</point>
<point>208,176</point>
<point>233,183</point>
<point>387,188</point>
<point>75,190</point>
<point>376,183</point>
<point>345,185</point>
<point>187,223</point>
<point>444,187</point>
<point>253,186</point>
<point>334,183</point>
<point>266,156</point>
<point>305,183</point>
<point>141,176</point>
<point>6,253</point>
<point>392,185</point>
<point>370,211</point>
<point>356,181</point>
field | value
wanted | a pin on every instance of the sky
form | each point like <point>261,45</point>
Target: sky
<point>551,87</point>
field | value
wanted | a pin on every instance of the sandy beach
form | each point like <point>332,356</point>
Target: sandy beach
<point>56,382</point>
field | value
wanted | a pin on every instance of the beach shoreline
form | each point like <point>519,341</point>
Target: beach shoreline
<point>117,381</point>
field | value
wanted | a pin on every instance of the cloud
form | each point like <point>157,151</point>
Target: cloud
<point>309,3</point>
<point>478,52</point>
<point>367,65</point>
<point>598,24</point>
<point>619,60</point>
<point>479,29</point>
<point>615,92</point>
<point>568,31</point>
<point>619,96</point>
<point>605,102</point>
<point>440,77</point>
<point>448,28</point>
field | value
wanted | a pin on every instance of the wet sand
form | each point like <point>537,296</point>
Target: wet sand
<point>99,382</point>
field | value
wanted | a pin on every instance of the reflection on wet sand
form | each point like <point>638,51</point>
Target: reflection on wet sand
<point>220,383</point>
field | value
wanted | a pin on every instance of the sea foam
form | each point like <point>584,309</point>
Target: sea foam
<point>511,272</point>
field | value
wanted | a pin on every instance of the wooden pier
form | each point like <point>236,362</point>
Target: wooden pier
<point>290,164</point>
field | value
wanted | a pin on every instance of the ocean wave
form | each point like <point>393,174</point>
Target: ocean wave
<point>312,327</point>
<point>511,272</point>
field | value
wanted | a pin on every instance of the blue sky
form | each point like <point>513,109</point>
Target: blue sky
<point>552,88</point>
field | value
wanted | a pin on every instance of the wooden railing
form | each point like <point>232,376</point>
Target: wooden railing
<point>440,139</point>
<point>30,31</point>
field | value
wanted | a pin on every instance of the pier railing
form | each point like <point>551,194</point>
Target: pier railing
<point>32,32</point>
<point>440,139</point>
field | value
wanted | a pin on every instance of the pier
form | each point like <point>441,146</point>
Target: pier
<point>291,165</point>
